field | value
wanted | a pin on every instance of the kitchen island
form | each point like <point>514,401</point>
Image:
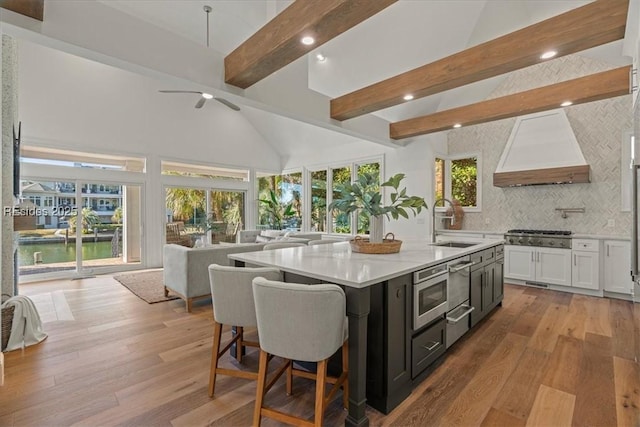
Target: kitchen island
<point>359,274</point>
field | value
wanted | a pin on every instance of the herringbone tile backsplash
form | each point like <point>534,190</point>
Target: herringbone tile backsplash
<point>599,128</point>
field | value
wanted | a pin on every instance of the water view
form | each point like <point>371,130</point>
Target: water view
<point>59,252</point>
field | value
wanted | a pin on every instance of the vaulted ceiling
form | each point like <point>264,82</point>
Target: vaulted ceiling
<point>403,36</point>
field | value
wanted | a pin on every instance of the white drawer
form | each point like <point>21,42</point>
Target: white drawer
<point>586,245</point>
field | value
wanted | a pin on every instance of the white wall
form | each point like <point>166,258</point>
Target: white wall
<point>82,104</point>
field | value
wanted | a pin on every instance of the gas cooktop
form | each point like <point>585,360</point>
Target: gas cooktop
<point>548,238</point>
<point>540,232</point>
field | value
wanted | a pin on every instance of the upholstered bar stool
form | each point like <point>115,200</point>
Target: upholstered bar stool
<point>281,245</point>
<point>233,305</point>
<point>306,323</point>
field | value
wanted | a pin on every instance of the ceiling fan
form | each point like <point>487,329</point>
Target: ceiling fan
<point>204,96</point>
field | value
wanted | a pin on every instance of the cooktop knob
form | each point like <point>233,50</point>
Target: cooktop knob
<point>520,240</point>
<point>551,243</point>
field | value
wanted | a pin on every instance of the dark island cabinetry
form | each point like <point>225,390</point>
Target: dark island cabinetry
<point>487,286</point>
<point>389,343</point>
<point>399,357</point>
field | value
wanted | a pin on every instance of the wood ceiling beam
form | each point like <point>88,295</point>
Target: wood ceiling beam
<point>31,8</point>
<point>594,87</point>
<point>594,24</point>
<point>278,42</point>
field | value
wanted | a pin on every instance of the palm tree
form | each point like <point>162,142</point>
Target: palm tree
<point>184,202</point>
<point>117,215</point>
<point>89,219</point>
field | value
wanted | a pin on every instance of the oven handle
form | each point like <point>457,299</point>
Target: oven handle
<point>459,318</point>
<point>461,267</point>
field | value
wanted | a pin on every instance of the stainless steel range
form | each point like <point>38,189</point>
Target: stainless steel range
<point>546,238</point>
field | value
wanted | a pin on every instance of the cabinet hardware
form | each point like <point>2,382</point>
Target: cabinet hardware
<point>532,260</point>
<point>398,293</point>
<point>607,250</point>
<point>574,259</point>
<point>431,347</point>
<point>455,269</point>
<point>468,310</point>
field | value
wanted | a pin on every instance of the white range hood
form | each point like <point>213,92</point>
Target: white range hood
<point>542,149</point>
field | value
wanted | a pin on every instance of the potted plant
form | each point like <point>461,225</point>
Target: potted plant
<point>277,212</point>
<point>365,195</point>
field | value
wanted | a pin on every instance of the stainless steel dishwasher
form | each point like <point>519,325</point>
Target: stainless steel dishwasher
<point>458,299</point>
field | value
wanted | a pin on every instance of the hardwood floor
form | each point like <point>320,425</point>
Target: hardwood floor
<point>543,359</point>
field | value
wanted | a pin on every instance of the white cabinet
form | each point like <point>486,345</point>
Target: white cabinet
<point>545,265</point>
<point>617,266</point>
<point>585,271</point>
<point>519,262</point>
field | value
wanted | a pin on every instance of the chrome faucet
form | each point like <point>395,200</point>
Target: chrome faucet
<point>433,217</point>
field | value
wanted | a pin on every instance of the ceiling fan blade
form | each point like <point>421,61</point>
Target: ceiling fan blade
<point>200,102</point>
<point>180,91</point>
<point>228,104</point>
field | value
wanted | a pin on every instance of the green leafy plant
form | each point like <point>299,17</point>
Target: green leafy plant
<point>364,194</point>
<point>276,210</point>
<point>89,219</point>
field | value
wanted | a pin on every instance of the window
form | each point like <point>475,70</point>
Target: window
<point>203,171</point>
<point>75,159</point>
<point>458,177</point>
<point>319,200</point>
<point>363,218</point>
<point>341,221</point>
<point>324,184</point>
<point>285,212</point>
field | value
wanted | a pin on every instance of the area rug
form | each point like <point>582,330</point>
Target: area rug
<point>147,285</point>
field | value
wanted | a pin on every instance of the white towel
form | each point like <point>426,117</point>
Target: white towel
<point>27,326</point>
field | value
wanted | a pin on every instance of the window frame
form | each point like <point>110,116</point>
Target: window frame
<point>328,167</point>
<point>448,158</point>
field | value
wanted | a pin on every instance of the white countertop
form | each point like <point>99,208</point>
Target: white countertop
<point>336,263</point>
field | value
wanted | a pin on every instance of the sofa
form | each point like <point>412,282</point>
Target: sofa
<point>186,270</point>
<point>265,236</point>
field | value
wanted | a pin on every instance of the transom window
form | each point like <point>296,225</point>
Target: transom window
<point>203,171</point>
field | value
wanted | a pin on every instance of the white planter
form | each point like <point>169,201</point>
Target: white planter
<point>376,226</point>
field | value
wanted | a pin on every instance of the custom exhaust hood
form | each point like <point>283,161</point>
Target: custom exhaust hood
<point>542,149</point>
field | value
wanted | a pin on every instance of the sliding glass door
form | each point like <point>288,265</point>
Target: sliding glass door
<point>213,215</point>
<point>78,227</point>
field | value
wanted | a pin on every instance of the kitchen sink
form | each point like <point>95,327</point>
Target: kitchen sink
<point>454,244</point>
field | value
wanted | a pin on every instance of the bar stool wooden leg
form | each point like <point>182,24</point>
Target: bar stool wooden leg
<point>240,344</point>
<point>262,379</point>
<point>290,378</point>
<point>215,350</point>
<point>321,379</point>
<point>345,371</point>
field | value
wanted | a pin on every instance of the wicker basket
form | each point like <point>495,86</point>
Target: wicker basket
<point>7,323</point>
<point>388,246</point>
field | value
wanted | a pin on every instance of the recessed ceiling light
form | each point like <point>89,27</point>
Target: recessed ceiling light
<point>548,54</point>
<point>308,40</point>
<point>206,95</point>
<point>320,57</point>
<point>566,103</point>
<point>457,125</point>
<point>408,97</point>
